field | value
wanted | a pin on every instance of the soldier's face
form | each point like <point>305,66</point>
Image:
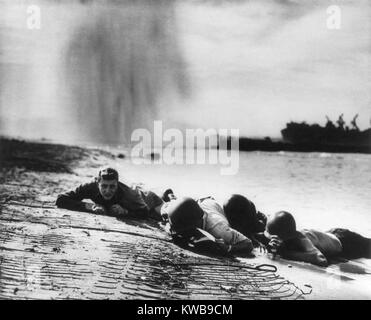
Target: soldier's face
<point>107,188</point>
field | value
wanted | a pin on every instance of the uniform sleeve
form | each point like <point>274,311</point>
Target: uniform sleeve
<point>302,249</point>
<point>228,234</point>
<point>72,200</point>
<point>150,198</point>
<point>134,203</point>
<point>302,244</point>
<point>262,238</point>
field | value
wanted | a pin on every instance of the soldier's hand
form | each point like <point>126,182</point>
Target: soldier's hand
<point>222,245</point>
<point>89,206</point>
<point>117,210</point>
<point>261,247</point>
<point>97,209</point>
<point>274,243</point>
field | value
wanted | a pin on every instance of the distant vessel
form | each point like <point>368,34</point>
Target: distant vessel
<point>303,137</point>
<point>331,137</point>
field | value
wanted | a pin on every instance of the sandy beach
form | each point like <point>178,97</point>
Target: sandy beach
<point>51,253</point>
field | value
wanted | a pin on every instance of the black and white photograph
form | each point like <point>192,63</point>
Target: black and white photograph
<point>187,151</point>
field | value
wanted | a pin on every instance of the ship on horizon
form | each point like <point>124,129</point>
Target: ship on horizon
<point>339,137</point>
<point>304,137</point>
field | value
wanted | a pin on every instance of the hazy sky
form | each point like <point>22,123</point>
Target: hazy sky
<point>256,64</point>
<point>252,65</point>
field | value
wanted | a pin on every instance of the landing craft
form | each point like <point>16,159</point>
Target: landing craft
<point>330,138</point>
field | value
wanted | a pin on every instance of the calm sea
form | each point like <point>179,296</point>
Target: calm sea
<point>322,190</point>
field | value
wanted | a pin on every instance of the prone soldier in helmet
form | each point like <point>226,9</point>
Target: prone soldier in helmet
<point>310,245</point>
<point>206,217</point>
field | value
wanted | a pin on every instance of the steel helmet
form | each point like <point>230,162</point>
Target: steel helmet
<point>282,224</point>
<point>184,215</point>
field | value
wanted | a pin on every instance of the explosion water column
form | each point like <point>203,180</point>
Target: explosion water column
<point>121,64</point>
<point>93,72</point>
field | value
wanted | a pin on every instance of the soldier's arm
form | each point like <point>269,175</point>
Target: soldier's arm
<point>305,251</point>
<point>72,200</point>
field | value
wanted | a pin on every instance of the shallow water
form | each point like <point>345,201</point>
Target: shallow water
<point>322,190</point>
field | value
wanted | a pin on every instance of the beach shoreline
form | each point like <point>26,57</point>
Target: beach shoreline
<point>51,253</point>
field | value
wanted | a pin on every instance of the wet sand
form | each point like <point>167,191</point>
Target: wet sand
<point>51,253</point>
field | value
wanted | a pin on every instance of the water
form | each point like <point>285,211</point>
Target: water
<point>97,70</point>
<point>322,190</point>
